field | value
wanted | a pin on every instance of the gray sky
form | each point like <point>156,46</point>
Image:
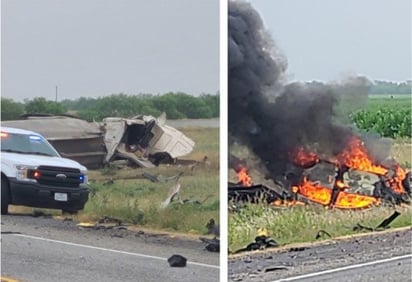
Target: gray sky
<point>100,47</point>
<point>329,39</point>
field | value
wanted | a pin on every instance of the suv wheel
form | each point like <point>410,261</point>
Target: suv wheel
<point>5,196</point>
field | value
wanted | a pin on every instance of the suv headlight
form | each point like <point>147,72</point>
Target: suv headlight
<point>83,177</point>
<point>27,173</point>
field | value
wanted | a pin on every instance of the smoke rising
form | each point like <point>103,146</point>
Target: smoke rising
<point>300,114</point>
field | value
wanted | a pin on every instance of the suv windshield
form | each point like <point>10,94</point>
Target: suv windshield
<point>26,144</point>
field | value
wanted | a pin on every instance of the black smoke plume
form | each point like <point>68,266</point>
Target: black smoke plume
<point>299,115</point>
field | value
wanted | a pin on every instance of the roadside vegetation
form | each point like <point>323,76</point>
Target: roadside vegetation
<point>302,223</point>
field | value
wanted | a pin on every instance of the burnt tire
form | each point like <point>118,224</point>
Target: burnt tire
<point>5,196</point>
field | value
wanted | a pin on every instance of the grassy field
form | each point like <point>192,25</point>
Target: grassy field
<point>302,223</point>
<point>124,194</point>
<point>394,102</point>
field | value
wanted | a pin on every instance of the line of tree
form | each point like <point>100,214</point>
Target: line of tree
<point>175,105</point>
<point>389,87</point>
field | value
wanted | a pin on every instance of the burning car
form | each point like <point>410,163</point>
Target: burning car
<point>143,141</point>
<point>299,131</point>
<point>348,180</point>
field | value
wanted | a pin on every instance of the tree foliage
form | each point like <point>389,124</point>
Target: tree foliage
<point>40,105</point>
<point>175,105</point>
<point>11,110</point>
<point>389,87</point>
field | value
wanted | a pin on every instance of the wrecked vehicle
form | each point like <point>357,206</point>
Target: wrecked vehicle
<point>144,141</point>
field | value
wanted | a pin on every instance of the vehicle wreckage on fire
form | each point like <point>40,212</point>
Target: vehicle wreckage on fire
<point>143,141</point>
<point>347,180</point>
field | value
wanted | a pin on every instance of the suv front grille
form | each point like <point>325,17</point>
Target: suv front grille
<point>59,176</point>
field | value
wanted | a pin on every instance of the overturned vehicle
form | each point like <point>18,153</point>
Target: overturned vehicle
<point>143,141</point>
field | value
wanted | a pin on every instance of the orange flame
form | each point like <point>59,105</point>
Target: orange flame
<point>350,200</point>
<point>244,177</point>
<point>284,203</point>
<point>355,156</point>
<point>314,192</point>
<point>304,158</point>
<point>345,200</point>
<point>340,184</point>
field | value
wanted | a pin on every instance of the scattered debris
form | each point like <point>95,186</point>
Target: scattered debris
<point>177,261</point>
<point>86,225</point>
<point>212,245</point>
<point>275,268</point>
<point>213,228</point>
<point>298,249</point>
<point>253,193</point>
<point>153,178</point>
<point>382,226</point>
<point>385,223</point>
<point>38,213</point>
<point>105,222</point>
<point>322,233</point>
<point>174,193</point>
<point>108,219</point>
<point>262,241</point>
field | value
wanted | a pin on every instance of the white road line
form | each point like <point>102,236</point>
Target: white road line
<point>342,268</point>
<point>111,250</point>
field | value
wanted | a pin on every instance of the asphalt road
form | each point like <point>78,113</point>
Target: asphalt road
<point>391,269</point>
<point>46,249</point>
<point>384,256</point>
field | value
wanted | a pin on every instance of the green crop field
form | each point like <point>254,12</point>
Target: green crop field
<point>393,102</point>
<point>387,115</point>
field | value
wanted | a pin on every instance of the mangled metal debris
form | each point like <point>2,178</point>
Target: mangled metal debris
<point>262,242</point>
<point>212,245</point>
<point>177,261</point>
<point>173,194</point>
<point>382,226</point>
<point>143,141</point>
<point>213,228</point>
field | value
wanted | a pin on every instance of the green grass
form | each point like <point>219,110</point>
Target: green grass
<point>138,200</point>
<point>302,223</point>
<point>398,102</point>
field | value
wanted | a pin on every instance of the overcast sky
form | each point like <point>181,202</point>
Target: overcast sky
<point>99,47</point>
<point>328,39</point>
